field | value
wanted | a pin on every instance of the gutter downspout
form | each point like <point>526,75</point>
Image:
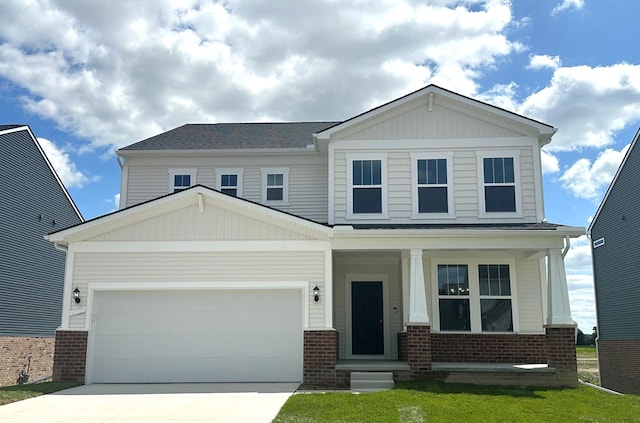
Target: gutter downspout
<point>567,246</point>
<point>60,247</point>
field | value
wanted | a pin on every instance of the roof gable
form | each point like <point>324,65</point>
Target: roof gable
<point>438,113</point>
<point>631,158</point>
<point>196,214</point>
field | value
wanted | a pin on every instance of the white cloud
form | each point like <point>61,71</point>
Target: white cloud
<point>567,4</point>
<point>581,296</point>
<point>589,180</point>
<point>119,71</point>
<point>589,104</point>
<point>549,162</point>
<point>537,61</point>
<point>64,167</point>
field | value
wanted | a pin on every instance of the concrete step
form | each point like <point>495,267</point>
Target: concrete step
<point>371,381</point>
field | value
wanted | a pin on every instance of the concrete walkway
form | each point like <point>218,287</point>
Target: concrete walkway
<point>194,402</point>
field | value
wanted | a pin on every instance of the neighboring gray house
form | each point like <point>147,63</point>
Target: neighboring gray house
<point>615,243</point>
<point>34,203</point>
<point>410,238</point>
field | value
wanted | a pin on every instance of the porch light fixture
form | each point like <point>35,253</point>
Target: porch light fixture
<point>316,294</point>
<point>76,295</point>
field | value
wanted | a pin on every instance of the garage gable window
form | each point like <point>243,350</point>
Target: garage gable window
<point>229,181</point>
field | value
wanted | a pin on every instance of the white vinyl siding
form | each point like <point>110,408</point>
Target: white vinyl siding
<point>308,186</point>
<point>530,296</point>
<point>200,267</point>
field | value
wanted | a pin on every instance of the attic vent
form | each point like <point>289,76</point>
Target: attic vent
<point>598,242</point>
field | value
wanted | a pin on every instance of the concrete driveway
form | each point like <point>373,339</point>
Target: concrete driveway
<point>176,402</point>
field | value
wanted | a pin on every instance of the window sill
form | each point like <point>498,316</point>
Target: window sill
<point>352,216</point>
<point>501,215</point>
<point>427,216</point>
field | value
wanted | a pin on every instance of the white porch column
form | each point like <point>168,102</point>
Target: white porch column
<point>558,307</point>
<point>418,312</point>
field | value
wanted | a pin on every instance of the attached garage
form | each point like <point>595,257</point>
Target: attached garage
<point>199,335</point>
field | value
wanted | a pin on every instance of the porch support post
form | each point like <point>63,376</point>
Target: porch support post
<point>418,312</point>
<point>558,307</point>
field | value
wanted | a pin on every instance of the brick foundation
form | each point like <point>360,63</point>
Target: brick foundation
<point>488,348</point>
<point>561,353</point>
<point>70,356</point>
<point>14,353</point>
<point>419,351</point>
<point>320,356</point>
<point>619,363</point>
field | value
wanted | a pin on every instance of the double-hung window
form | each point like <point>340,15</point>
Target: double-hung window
<point>229,181</point>
<point>181,179</point>
<point>367,195</point>
<point>432,193</point>
<point>275,186</point>
<point>499,191</point>
<point>474,297</point>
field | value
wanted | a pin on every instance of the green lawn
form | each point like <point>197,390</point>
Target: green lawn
<point>438,402</point>
<point>583,351</point>
<point>19,392</point>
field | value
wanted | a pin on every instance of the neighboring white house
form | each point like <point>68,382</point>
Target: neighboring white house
<point>412,236</point>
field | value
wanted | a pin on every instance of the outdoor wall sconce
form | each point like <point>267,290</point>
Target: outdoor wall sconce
<point>76,295</point>
<point>316,294</point>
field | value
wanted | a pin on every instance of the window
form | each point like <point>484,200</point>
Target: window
<point>181,179</point>
<point>474,297</point>
<point>367,192</point>
<point>495,297</point>
<point>275,187</point>
<point>432,196</point>
<point>453,289</point>
<point>229,181</point>
<point>500,188</point>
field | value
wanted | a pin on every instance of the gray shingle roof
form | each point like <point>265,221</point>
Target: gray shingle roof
<point>7,127</point>
<point>233,136</point>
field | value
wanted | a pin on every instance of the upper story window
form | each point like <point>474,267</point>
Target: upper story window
<point>432,185</point>
<point>499,184</point>
<point>181,179</point>
<point>275,186</point>
<point>229,181</point>
<point>367,193</point>
<point>475,299</point>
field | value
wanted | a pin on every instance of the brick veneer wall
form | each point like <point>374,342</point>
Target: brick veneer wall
<point>619,363</point>
<point>14,353</point>
<point>402,346</point>
<point>419,350</point>
<point>488,348</point>
<point>561,351</point>
<point>320,356</point>
<point>70,356</point>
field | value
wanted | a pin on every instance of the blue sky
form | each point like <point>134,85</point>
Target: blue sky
<point>90,77</point>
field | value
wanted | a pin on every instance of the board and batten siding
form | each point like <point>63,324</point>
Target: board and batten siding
<point>194,267</point>
<point>615,262</point>
<point>31,269</point>
<point>465,186</point>
<point>214,223</point>
<point>148,178</point>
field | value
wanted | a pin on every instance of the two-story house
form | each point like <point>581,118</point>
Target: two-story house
<point>410,238</point>
<point>34,203</point>
<point>615,235</point>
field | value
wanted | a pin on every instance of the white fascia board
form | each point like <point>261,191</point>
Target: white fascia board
<point>214,152</point>
<point>196,246</point>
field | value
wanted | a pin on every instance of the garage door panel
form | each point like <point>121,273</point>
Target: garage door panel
<point>197,336</point>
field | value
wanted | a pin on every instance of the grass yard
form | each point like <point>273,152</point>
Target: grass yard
<point>439,402</point>
<point>20,392</point>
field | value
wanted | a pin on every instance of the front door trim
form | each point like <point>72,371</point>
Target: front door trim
<point>368,277</point>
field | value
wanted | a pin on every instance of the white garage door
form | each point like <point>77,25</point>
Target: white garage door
<point>196,336</point>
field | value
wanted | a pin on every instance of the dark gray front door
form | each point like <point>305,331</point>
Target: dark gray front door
<point>366,318</point>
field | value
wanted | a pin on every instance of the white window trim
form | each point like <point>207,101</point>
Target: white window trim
<point>480,156</point>
<point>474,294</point>
<point>193,172</point>
<point>415,213</point>
<point>350,157</point>
<point>239,172</point>
<point>285,185</point>
<point>374,277</point>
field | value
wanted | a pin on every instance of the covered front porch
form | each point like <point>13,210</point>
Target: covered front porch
<point>391,310</point>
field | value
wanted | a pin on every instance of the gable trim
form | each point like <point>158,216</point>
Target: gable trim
<point>614,180</point>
